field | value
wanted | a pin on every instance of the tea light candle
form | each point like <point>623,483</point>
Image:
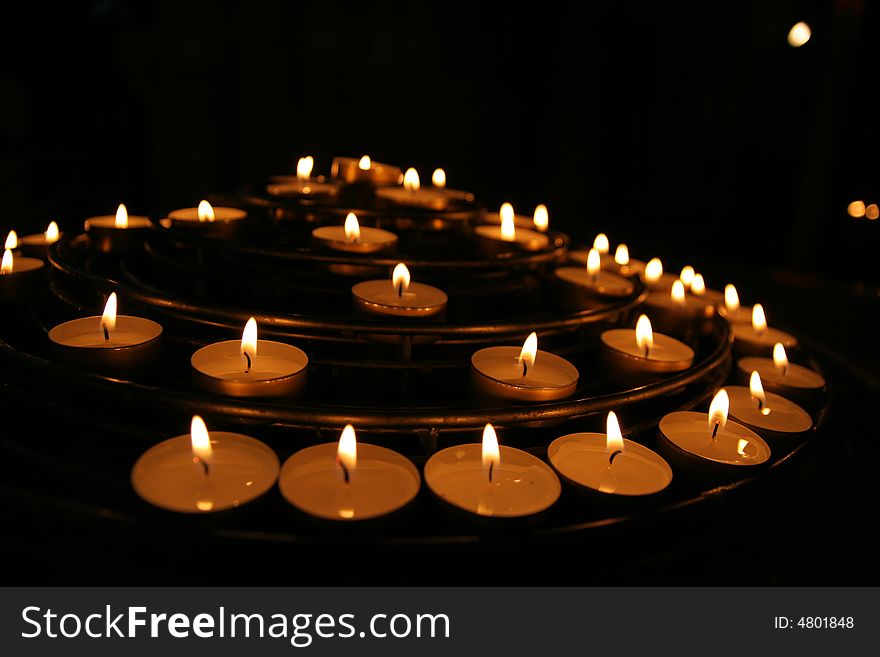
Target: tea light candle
<point>250,368</point>
<point>119,343</point>
<point>609,464</point>
<point>352,238</point>
<point>20,278</point>
<point>522,375</point>
<point>765,412</point>
<point>413,195</point>
<point>636,356</point>
<point>204,473</point>
<point>505,236</point>
<point>579,287</point>
<point>348,481</point>
<point>364,171</point>
<point>399,297</point>
<point>731,309</point>
<point>709,445</point>
<point>758,339</point>
<point>677,313</point>
<point>620,263</point>
<point>39,243</point>
<point>492,481</point>
<point>540,221</point>
<point>119,231</point>
<point>303,184</point>
<point>207,218</point>
<point>654,277</point>
<point>790,380</point>
<point>541,218</point>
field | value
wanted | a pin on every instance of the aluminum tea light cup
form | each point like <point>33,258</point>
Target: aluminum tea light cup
<point>21,279</point>
<point>365,171</point>
<point>638,356</point>
<point>120,232</point>
<point>792,381</point>
<point>413,195</point>
<point>775,418</point>
<point>37,245</point>
<point>217,221</point>
<point>505,237</point>
<point>578,288</point>
<point>757,338</point>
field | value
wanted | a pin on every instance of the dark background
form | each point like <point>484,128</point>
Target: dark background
<point>677,127</point>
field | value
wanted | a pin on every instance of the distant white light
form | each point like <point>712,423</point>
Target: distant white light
<point>799,34</point>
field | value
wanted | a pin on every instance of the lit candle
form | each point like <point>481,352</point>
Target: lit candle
<point>772,416</point>
<point>413,195</point>
<point>220,221</point>
<point>489,480</point>
<point>581,287</point>
<point>687,276</point>
<point>204,473</point>
<point>608,463</point>
<point>438,178</point>
<point>250,367</point>
<point>708,445</point>
<point>348,481</point>
<point>638,356</point>
<point>654,277</point>
<point>20,278</point>
<point>38,244</point>
<point>303,185</point>
<point>731,309</point>
<point>541,218</point>
<point>351,237</point>
<point>758,338</point>
<point>522,374</point>
<point>11,243</point>
<point>365,171</point>
<point>601,244</point>
<point>117,232</point>
<point>111,342</point>
<point>789,380</point>
<point>399,297</point>
<point>677,313</point>
<point>505,236</point>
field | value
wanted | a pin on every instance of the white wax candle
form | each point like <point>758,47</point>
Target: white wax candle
<point>382,482</point>
<point>498,371</point>
<point>631,267</point>
<point>733,445</point>
<point>428,198</point>
<point>794,377</point>
<point>521,485</point>
<point>221,215</point>
<point>523,239</point>
<point>108,222</point>
<point>602,283</point>
<point>666,354</point>
<point>371,240</point>
<point>87,333</point>
<point>381,298</point>
<point>747,339</point>
<point>241,470</point>
<point>277,369</point>
<point>777,414</point>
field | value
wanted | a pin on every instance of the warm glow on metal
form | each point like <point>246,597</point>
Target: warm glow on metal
<point>594,262</point>
<point>400,278</point>
<point>206,211</point>
<point>644,335</point>
<point>542,217</point>
<point>677,293</point>
<point>346,453</point>
<point>6,266</point>
<point>304,167</point>
<point>756,389</point>
<point>508,227</point>
<point>698,285</point>
<point>529,350</point>
<point>201,441</point>
<point>856,209</point>
<point>249,343</point>
<point>411,180</point>
<point>780,358</point>
<point>621,255</point>
<point>613,437</point>
<point>491,454</point>
<point>11,240</point>
<point>653,270</point>
<point>364,163</point>
<point>872,211</point>
<point>352,228</point>
<point>438,178</point>
<point>121,216</point>
<point>759,319</point>
<point>687,275</point>
<point>52,234</point>
<point>108,319</point>
<point>799,34</point>
<point>718,410</point>
<point>601,243</point>
<point>731,298</point>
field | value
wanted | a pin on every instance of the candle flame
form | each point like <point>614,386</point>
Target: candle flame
<point>411,180</point>
<point>759,319</point>
<point>438,178</point>
<point>529,350</point>
<point>856,209</point>
<point>757,391</point>
<point>731,298</point>
<point>6,266</point>
<point>52,233</point>
<point>613,436</point>
<point>364,163</point>
<point>872,212</point>
<point>644,335</point>
<point>400,278</point>
<point>121,216</point>
<point>653,270</point>
<point>780,359</point>
<point>201,441</point>
<point>698,285</point>
<point>508,228</point>
<point>346,453</point>
<point>108,319</point>
<point>542,218</point>
<point>799,34</point>
<point>741,445</point>
<point>601,243</point>
<point>352,228</point>
<point>677,293</point>
<point>621,255</point>
<point>687,275</point>
<point>11,240</point>
<point>249,343</point>
<point>718,410</point>
<point>206,211</point>
<point>491,454</point>
<point>594,262</point>
<point>304,166</point>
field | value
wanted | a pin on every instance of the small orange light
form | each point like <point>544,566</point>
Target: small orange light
<point>856,209</point>
<point>872,212</point>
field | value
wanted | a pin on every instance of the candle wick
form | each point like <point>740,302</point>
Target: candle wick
<point>647,351</point>
<point>491,470</point>
<point>613,456</point>
<point>206,468</point>
<point>248,359</point>
<point>106,332</point>
<point>760,404</point>
<point>525,367</point>
<point>345,473</point>
<point>715,429</point>
<point>400,289</point>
